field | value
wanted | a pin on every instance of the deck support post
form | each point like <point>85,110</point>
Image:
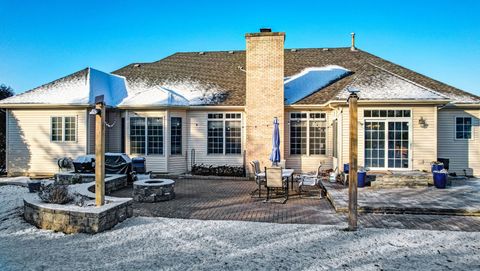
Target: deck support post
<point>352,184</point>
<point>99,112</point>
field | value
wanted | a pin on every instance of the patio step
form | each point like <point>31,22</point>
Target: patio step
<point>401,180</point>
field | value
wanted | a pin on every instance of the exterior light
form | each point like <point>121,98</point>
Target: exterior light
<point>95,111</point>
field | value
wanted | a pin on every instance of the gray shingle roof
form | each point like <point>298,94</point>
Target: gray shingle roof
<point>221,69</point>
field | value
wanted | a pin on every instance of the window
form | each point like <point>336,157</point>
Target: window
<point>175,135</point>
<point>463,128</point>
<point>386,113</point>
<point>309,128</point>
<point>224,133</point>
<point>146,135</point>
<point>137,135</point>
<point>70,128</point>
<point>155,136</point>
<point>64,129</point>
<point>57,130</point>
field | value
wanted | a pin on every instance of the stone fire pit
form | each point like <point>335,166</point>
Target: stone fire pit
<point>153,190</point>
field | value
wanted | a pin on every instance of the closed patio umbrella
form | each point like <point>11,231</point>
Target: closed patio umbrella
<point>275,155</point>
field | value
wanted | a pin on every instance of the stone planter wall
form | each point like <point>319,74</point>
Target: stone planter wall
<point>67,221</point>
<point>74,219</point>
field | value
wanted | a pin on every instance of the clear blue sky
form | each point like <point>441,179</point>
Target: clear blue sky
<point>44,40</point>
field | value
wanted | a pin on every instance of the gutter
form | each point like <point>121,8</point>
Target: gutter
<point>47,106</point>
<point>388,102</point>
<point>185,107</point>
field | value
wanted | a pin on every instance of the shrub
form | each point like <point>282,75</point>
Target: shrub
<point>209,170</point>
<point>55,193</point>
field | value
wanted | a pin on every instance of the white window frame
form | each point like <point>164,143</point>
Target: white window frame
<point>224,120</point>
<point>386,120</point>
<point>146,135</point>
<point>472,136</point>
<point>307,119</point>
<point>64,129</point>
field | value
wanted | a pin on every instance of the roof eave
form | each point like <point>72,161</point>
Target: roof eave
<point>403,102</point>
<point>41,106</point>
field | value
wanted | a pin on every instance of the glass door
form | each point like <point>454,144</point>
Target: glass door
<point>375,144</point>
<point>390,152</point>
<point>398,144</point>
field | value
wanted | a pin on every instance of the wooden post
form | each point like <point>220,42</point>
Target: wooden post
<point>352,184</point>
<point>99,151</point>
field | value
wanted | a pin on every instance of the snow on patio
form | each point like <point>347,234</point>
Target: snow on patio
<point>174,244</point>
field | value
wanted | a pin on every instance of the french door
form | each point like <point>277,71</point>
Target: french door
<point>387,144</point>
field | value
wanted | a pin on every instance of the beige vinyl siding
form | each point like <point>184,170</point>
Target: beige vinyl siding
<point>30,150</point>
<point>309,163</point>
<point>197,140</point>
<point>463,154</point>
<point>113,135</point>
<point>424,139</point>
<point>423,142</point>
<point>155,163</point>
<point>177,164</point>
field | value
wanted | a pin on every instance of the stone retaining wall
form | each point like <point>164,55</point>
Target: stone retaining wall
<point>75,221</point>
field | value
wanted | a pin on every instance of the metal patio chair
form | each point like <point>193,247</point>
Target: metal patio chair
<point>260,180</point>
<point>275,181</point>
<point>313,182</point>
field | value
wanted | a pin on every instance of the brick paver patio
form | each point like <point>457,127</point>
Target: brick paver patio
<point>462,198</point>
<point>231,200</point>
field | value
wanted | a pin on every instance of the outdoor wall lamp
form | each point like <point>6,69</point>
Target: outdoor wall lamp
<point>422,122</point>
<point>96,111</point>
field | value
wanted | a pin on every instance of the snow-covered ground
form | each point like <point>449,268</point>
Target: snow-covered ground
<point>174,244</point>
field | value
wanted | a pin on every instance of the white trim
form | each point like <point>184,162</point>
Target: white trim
<point>386,120</point>
<point>472,137</point>
<point>64,129</point>
<point>307,119</point>
<point>223,120</point>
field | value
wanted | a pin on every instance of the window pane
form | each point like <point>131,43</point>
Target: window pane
<point>233,137</point>
<point>215,137</point>
<point>155,135</point>
<point>298,137</point>
<point>70,128</point>
<point>137,135</point>
<point>367,113</point>
<point>317,137</point>
<point>463,128</point>
<point>175,135</point>
<point>57,128</point>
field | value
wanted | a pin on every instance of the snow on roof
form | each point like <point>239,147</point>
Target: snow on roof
<point>72,89</point>
<point>171,93</point>
<point>311,80</point>
<point>382,85</point>
<point>79,88</point>
<point>82,87</point>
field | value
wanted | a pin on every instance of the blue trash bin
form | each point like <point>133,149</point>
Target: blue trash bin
<point>440,179</point>
<point>346,168</point>
<point>362,178</point>
<point>437,167</point>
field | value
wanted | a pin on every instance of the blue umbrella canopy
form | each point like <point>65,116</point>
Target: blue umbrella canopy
<point>275,155</point>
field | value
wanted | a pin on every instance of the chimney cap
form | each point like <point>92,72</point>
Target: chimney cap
<point>263,30</point>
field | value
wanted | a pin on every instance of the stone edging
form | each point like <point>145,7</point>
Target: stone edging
<point>75,219</point>
<point>399,210</point>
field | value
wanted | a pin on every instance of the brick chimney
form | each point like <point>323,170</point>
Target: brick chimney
<point>265,94</point>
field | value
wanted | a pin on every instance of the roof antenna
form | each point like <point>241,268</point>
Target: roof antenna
<point>352,48</point>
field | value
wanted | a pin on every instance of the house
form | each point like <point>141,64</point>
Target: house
<point>217,108</point>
